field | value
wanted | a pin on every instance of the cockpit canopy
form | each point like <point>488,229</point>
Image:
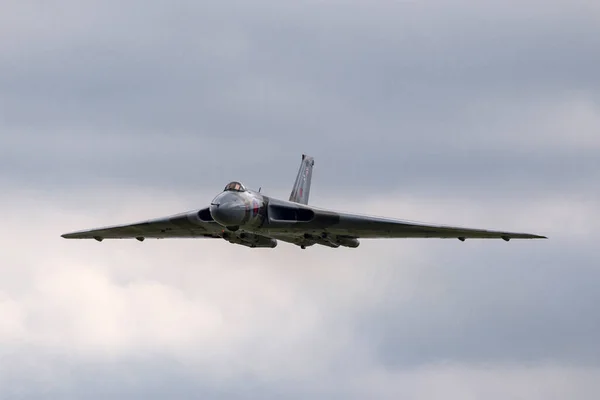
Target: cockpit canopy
<point>234,187</point>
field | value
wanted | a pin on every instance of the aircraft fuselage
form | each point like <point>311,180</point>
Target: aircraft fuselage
<point>233,210</point>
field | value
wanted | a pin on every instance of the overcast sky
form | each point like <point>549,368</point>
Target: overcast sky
<point>481,114</point>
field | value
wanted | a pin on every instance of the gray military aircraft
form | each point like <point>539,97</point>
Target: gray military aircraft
<point>243,216</point>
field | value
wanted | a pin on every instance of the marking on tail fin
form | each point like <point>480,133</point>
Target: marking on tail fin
<point>301,189</point>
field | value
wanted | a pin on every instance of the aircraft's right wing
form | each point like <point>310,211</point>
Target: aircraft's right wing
<point>193,224</point>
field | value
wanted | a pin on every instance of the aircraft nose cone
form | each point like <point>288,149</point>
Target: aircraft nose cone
<point>227,214</point>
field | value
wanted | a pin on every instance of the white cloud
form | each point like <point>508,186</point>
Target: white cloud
<point>225,311</point>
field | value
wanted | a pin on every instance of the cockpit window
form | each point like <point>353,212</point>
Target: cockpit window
<point>234,187</point>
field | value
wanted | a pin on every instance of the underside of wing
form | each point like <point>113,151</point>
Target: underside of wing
<point>193,224</point>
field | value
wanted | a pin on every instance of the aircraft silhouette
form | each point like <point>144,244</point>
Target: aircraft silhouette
<point>249,218</point>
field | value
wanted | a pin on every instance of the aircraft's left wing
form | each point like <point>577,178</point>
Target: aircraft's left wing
<point>185,225</point>
<point>306,221</point>
<point>360,226</point>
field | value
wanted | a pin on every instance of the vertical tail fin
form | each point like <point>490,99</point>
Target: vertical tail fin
<point>301,188</point>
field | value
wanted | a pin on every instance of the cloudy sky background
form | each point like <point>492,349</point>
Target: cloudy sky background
<point>463,112</point>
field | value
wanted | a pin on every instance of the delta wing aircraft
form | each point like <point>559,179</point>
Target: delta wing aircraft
<point>249,218</point>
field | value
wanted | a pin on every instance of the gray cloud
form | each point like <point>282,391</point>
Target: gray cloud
<point>464,113</point>
<point>494,312</point>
